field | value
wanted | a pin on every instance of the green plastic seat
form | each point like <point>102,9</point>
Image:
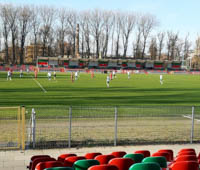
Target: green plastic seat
<point>84,164</point>
<point>60,168</point>
<point>137,157</point>
<point>157,159</point>
<point>145,166</point>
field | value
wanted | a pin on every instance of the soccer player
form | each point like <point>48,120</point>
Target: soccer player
<point>114,74</point>
<point>72,77</point>
<point>9,75</point>
<point>128,74</point>
<point>49,75</point>
<point>76,75</point>
<point>108,81</point>
<point>54,75</point>
<point>161,79</point>
<point>36,71</point>
<point>92,74</point>
<point>21,73</point>
<point>110,75</point>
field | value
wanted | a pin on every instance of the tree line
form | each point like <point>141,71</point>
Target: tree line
<point>103,33</point>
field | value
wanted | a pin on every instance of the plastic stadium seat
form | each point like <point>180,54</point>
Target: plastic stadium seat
<point>63,156</point>
<point>92,155</point>
<point>186,153</point>
<point>41,159</point>
<point>69,161</point>
<point>103,167</point>
<point>60,168</point>
<point>104,159</point>
<point>49,164</point>
<point>145,166</point>
<point>168,151</point>
<point>137,157</point>
<point>85,164</point>
<point>118,154</point>
<point>187,149</point>
<point>159,159</point>
<point>122,163</point>
<point>146,153</point>
<point>185,165</point>
<point>35,157</point>
<point>165,154</point>
<point>186,158</point>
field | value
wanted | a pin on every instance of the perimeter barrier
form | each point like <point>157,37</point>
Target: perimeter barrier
<point>72,126</point>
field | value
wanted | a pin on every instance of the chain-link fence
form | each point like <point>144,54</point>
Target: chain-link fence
<point>59,126</point>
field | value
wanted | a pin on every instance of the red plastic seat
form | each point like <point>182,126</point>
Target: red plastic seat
<point>186,153</point>
<point>49,164</point>
<point>69,161</point>
<point>92,155</point>
<point>40,159</point>
<point>186,158</point>
<point>185,165</point>
<point>121,163</point>
<point>165,154</point>
<point>35,157</point>
<point>104,159</point>
<point>118,154</point>
<point>146,153</point>
<point>103,167</point>
<point>187,149</point>
<point>63,156</point>
<point>168,151</point>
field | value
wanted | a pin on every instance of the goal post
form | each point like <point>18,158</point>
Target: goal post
<point>12,128</point>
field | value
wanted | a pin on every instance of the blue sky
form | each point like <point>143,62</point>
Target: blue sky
<point>176,15</point>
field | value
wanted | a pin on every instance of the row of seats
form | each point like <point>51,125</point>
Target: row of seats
<point>164,159</point>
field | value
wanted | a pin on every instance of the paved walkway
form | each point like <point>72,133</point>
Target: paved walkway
<point>18,160</point>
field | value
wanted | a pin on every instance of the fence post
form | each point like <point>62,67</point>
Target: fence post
<point>19,127</point>
<point>192,129</point>
<point>33,125</point>
<point>70,126</point>
<point>23,127</point>
<point>115,139</point>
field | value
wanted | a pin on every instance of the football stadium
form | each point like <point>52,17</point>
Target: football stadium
<point>110,88</point>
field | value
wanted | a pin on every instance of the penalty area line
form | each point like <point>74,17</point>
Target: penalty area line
<point>39,85</point>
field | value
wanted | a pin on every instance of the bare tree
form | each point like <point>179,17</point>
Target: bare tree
<point>187,45</point>
<point>13,13</point>
<point>25,14</point>
<point>84,21</point>
<point>118,33</point>
<point>160,37</point>
<point>5,28</point>
<point>47,16</point>
<point>108,24</point>
<point>147,23</point>
<point>35,23</point>
<point>153,48</point>
<point>96,28</point>
<point>62,30</point>
<point>138,42</point>
<point>171,44</point>
<point>72,23</point>
<point>127,25</point>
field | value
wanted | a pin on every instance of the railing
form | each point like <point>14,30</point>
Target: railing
<point>59,126</point>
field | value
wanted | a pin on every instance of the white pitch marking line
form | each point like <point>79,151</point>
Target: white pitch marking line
<point>39,85</point>
<point>189,117</point>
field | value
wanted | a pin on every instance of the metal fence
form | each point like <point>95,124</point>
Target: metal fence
<point>58,126</point>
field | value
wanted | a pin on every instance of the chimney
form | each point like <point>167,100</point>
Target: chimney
<point>77,55</point>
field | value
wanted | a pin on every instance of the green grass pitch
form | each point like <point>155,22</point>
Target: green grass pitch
<point>140,89</point>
